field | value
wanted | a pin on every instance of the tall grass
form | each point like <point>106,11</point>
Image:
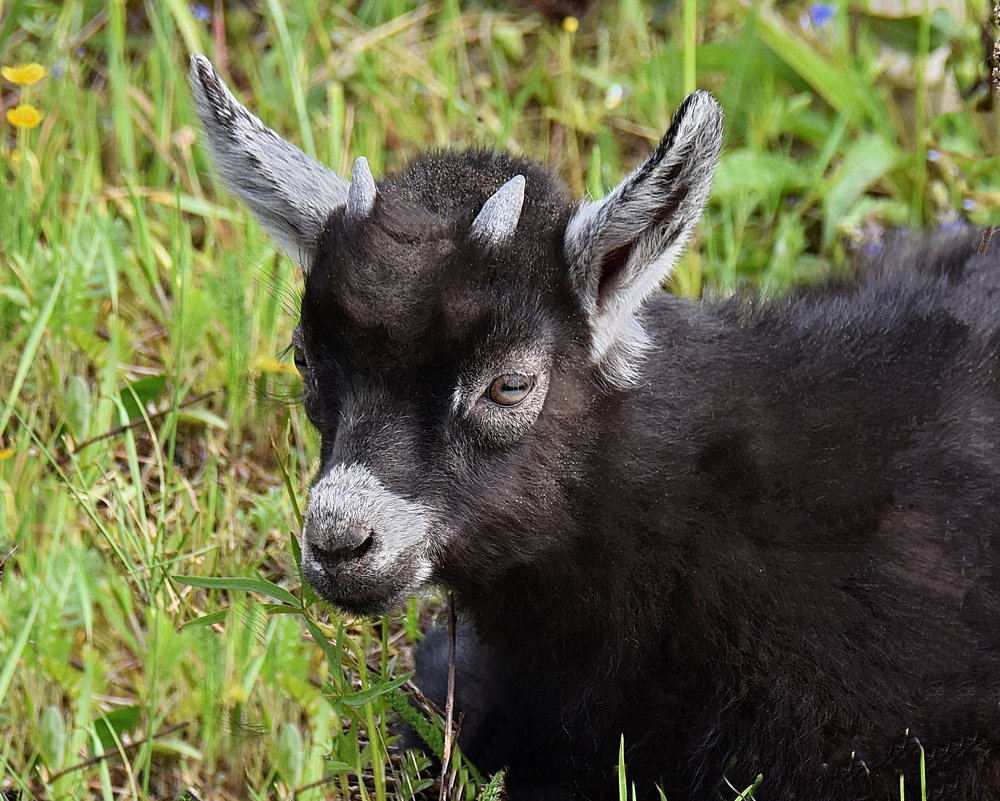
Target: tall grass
<point>155,637</point>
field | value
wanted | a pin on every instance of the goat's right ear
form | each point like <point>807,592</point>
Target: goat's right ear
<point>290,193</point>
<point>621,248</point>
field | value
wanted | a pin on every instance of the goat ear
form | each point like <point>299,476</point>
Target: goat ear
<point>290,193</point>
<point>621,248</point>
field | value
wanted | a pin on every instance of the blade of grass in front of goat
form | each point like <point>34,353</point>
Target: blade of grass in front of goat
<point>449,705</point>
<point>622,781</point>
<point>286,477</point>
<point>248,584</point>
<point>363,697</point>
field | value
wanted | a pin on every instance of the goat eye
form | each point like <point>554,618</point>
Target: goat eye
<point>300,362</point>
<point>510,389</point>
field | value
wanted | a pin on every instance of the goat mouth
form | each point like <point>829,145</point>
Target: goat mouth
<point>369,607</point>
<point>361,592</point>
<point>372,604</point>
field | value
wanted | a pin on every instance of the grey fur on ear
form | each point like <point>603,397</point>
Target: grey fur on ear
<point>621,248</point>
<point>291,194</point>
<point>497,219</point>
<point>362,192</point>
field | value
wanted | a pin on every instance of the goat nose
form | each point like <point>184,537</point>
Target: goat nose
<point>334,551</point>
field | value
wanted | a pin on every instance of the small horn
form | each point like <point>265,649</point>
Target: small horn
<point>361,194</point>
<point>497,220</point>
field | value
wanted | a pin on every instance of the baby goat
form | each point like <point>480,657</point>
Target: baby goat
<point>750,537</point>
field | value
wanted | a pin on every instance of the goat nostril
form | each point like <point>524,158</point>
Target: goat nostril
<point>332,560</point>
<point>356,549</point>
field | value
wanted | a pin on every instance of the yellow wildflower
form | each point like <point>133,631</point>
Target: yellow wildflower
<point>23,74</point>
<point>235,694</point>
<point>265,364</point>
<point>570,24</point>
<point>6,453</point>
<point>24,116</point>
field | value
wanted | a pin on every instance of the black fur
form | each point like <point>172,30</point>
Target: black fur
<point>765,542</point>
<point>777,555</point>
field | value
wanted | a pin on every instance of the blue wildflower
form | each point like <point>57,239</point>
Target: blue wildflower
<point>820,14</point>
<point>201,12</point>
<point>873,250</point>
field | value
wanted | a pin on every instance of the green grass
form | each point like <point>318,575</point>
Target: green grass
<point>145,428</point>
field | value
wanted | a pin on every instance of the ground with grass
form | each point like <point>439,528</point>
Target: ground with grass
<point>155,639</point>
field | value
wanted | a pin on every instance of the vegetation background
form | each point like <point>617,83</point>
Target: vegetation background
<point>155,639</point>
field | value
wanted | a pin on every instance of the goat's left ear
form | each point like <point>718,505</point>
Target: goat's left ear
<point>289,192</point>
<point>621,248</point>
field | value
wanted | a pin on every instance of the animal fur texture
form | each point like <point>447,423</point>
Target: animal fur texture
<point>750,537</point>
